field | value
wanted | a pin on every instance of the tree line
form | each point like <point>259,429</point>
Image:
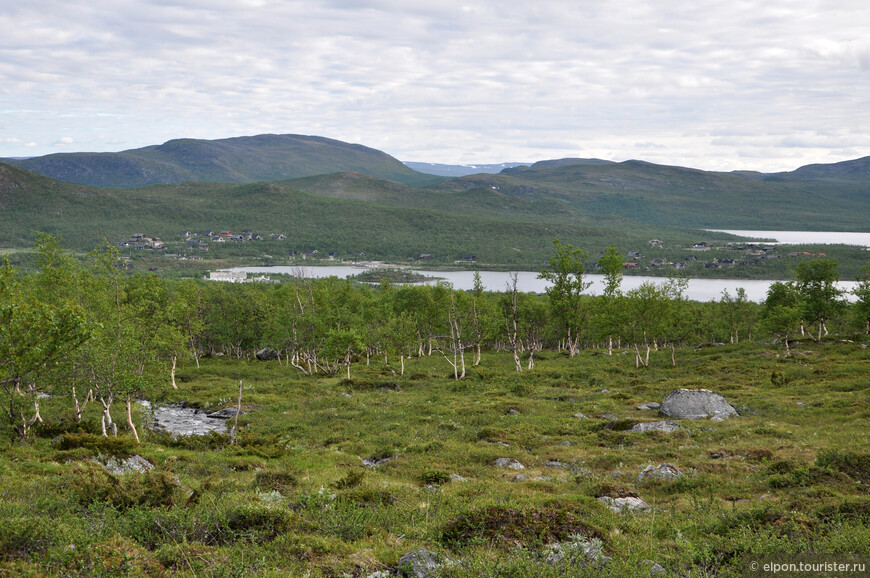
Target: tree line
<point>87,329</point>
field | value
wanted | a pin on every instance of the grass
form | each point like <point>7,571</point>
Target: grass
<point>293,496</point>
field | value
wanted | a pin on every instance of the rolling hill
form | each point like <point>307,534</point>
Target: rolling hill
<point>251,159</point>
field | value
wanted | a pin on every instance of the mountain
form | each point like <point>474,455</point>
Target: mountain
<point>854,170</point>
<point>250,159</point>
<point>459,170</point>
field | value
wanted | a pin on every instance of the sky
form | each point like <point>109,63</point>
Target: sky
<point>765,85</point>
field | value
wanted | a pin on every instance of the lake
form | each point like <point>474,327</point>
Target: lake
<point>804,237</point>
<point>528,282</point>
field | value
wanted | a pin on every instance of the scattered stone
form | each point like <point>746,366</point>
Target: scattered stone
<point>391,387</point>
<point>652,568</point>
<point>520,478</point>
<point>509,463</point>
<point>565,444</point>
<point>267,354</point>
<point>665,426</point>
<point>719,454</point>
<point>554,464</point>
<point>420,563</point>
<point>512,412</point>
<point>226,413</point>
<point>345,394</point>
<point>619,505</point>
<point>580,416</point>
<point>577,550</point>
<point>609,417</point>
<point>696,404</point>
<point>801,405</point>
<point>661,472</point>
<point>457,478</point>
<point>134,463</point>
<point>650,405</point>
<point>605,391</point>
<point>375,462</point>
<point>615,475</point>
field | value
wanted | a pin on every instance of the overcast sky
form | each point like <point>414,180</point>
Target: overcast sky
<point>745,84</point>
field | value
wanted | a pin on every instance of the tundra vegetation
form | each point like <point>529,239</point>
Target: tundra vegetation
<point>484,427</point>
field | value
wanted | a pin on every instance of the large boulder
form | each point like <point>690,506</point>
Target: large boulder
<point>267,354</point>
<point>696,404</point>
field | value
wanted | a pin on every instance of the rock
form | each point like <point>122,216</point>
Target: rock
<point>512,412</point>
<point>652,568</point>
<point>375,462</point>
<point>801,404</point>
<point>345,394</point>
<point>577,550</point>
<point>605,391</point>
<point>457,478</point>
<point>181,420</point>
<point>420,563</point>
<point>696,404</point>
<point>520,478</point>
<point>609,417</point>
<point>226,413</point>
<point>565,443</point>
<point>267,354</point>
<point>554,464</point>
<point>580,416</point>
<point>665,426</point>
<point>620,505</point>
<point>661,472</point>
<point>509,463</point>
<point>118,467</point>
<point>650,405</point>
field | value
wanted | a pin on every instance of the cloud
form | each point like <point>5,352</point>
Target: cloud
<point>471,81</point>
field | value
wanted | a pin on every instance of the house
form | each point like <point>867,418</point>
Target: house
<point>654,243</point>
<point>629,265</point>
<point>702,246</point>
<point>226,233</point>
<point>278,236</point>
<point>424,257</point>
<point>634,255</point>
<point>203,246</point>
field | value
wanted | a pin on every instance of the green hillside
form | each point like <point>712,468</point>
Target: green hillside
<point>233,160</point>
<point>677,196</point>
<point>496,235</point>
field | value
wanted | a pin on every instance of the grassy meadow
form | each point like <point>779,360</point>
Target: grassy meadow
<point>292,497</point>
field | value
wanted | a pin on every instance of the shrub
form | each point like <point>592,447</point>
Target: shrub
<point>509,527</point>
<point>116,446</point>
<point>92,484</point>
<point>435,477</point>
<point>855,465</point>
<point>275,481</point>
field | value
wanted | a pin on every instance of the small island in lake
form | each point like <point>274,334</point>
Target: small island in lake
<point>393,276</point>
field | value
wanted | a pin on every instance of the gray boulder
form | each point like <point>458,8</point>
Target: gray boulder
<point>665,426</point>
<point>661,472</point>
<point>267,354</point>
<point>509,463</point>
<point>620,505</point>
<point>696,404</point>
<point>118,467</point>
<point>420,563</point>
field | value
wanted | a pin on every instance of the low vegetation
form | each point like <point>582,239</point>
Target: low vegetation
<point>382,420</point>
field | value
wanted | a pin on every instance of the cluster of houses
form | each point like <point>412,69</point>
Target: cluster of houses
<point>203,239</point>
<point>759,252</point>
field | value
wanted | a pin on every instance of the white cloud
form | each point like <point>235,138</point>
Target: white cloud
<point>449,81</point>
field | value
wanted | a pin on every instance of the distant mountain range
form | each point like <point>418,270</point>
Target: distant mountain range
<point>459,170</point>
<point>321,192</point>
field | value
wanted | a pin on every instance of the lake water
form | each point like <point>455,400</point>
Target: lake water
<point>804,237</point>
<point>528,282</point>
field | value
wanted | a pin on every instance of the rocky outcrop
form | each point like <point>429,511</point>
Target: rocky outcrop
<point>696,404</point>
